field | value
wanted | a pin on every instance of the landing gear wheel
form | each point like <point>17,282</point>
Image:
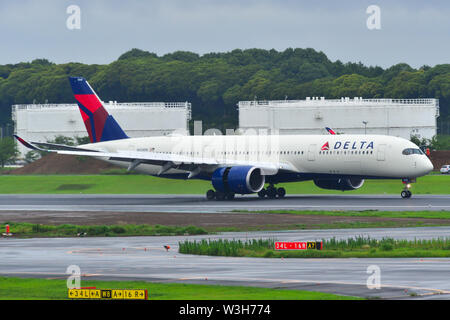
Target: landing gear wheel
<point>271,192</point>
<point>210,194</point>
<point>220,195</point>
<point>281,192</point>
<point>229,196</point>
<point>262,193</point>
<point>406,194</point>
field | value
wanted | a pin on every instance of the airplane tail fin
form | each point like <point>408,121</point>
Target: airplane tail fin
<point>100,125</point>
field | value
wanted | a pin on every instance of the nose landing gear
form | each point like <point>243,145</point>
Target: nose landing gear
<point>406,193</point>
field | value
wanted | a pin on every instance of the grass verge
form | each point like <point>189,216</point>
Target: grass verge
<point>358,247</point>
<point>44,289</point>
<point>28,230</point>
<point>142,184</point>
<point>443,214</point>
<point>333,225</point>
<point>34,230</point>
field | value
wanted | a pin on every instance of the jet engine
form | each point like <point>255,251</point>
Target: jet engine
<point>239,179</point>
<point>339,184</point>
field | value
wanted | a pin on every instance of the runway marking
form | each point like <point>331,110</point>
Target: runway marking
<point>114,251</point>
<point>265,280</point>
<point>433,290</point>
<point>436,291</point>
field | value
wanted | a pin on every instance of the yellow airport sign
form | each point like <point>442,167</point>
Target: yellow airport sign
<point>108,294</point>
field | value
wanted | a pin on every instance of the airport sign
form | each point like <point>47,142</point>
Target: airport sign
<point>299,245</point>
<point>108,294</point>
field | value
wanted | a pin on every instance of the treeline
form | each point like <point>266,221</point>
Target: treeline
<point>215,82</point>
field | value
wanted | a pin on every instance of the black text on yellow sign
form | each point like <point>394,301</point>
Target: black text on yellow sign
<point>109,294</point>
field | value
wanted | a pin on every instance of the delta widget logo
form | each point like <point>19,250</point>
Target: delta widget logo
<point>348,145</point>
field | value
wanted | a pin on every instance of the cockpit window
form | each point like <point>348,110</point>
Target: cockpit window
<point>412,151</point>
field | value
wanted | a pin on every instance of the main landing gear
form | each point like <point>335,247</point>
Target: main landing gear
<point>406,193</point>
<point>218,195</point>
<point>271,192</point>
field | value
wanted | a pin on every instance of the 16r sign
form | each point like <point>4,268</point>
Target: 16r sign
<point>299,245</point>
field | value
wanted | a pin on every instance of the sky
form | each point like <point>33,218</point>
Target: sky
<point>411,31</point>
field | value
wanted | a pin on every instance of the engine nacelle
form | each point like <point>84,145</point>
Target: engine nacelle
<point>240,179</point>
<point>339,184</point>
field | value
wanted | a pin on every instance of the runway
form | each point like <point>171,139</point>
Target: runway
<point>144,258</point>
<point>198,203</point>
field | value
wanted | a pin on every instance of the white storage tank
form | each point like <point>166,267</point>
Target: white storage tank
<point>395,117</point>
<point>43,122</point>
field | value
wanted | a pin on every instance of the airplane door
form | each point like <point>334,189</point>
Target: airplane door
<point>381,152</point>
<point>311,150</point>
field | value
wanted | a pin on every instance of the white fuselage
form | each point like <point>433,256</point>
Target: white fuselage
<point>370,156</point>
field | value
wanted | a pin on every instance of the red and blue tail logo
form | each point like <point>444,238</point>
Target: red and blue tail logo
<point>100,125</point>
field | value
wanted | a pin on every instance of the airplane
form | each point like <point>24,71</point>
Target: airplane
<point>245,164</point>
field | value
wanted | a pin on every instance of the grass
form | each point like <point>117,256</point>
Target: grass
<point>33,230</point>
<point>443,214</point>
<point>44,289</point>
<point>372,224</point>
<point>358,247</point>
<point>142,184</point>
<point>28,230</point>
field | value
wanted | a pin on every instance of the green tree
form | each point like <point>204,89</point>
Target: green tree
<point>82,140</point>
<point>407,85</point>
<point>441,142</point>
<point>60,139</point>
<point>136,53</point>
<point>8,151</point>
<point>310,71</point>
<point>348,86</point>
<point>420,142</point>
<point>215,82</point>
<point>32,156</point>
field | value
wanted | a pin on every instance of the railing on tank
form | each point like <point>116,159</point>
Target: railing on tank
<point>107,105</point>
<point>322,100</point>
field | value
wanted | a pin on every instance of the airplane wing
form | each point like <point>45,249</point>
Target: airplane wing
<point>167,161</point>
<point>48,147</point>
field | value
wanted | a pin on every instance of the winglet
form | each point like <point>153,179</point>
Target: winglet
<point>25,143</point>
<point>330,131</point>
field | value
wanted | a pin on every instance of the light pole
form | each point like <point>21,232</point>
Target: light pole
<point>365,126</point>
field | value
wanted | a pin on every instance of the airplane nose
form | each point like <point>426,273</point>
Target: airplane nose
<point>428,166</point>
